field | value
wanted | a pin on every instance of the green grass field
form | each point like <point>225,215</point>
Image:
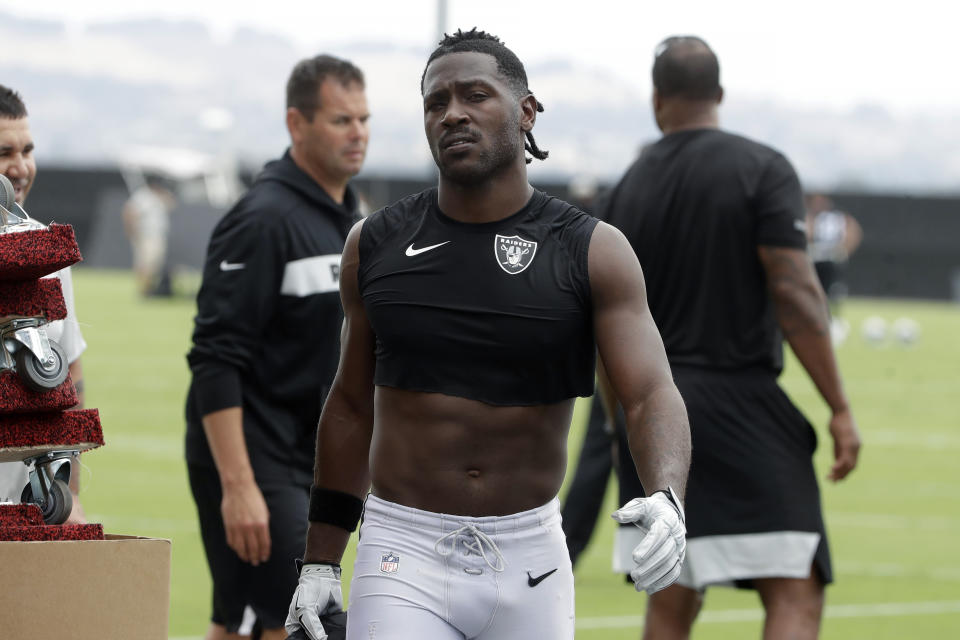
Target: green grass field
<point>894,524</point>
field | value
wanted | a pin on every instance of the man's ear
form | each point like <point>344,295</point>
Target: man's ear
<point>295,121</point>
<point>528,112</point>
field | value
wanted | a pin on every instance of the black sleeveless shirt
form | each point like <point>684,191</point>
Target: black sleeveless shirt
<point>498,312</point>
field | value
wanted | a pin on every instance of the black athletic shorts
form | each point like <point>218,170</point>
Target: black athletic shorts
<point>752,467</point>
<point>267,588</point>
<point>751,473</point>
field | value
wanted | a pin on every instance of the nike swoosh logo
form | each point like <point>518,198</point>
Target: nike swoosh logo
<point>535,581</point>
<point>415,252</point>
<point>231,266</point>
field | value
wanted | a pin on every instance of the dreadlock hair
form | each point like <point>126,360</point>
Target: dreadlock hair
<point>508,64</point>
<point>11,104</point>
<point>686,67</point>
<point>303,86</point>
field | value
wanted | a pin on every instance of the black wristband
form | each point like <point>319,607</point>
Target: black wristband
<point>335,507</point>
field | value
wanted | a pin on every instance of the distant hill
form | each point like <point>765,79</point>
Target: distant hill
<point>95,93</point>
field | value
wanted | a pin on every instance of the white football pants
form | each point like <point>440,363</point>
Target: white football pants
<point>428,575</point>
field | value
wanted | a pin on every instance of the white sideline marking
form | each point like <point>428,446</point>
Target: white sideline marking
<point>880,609</point>
<point>884,609</point>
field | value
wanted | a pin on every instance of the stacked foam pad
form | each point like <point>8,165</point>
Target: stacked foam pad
<point>49,430</point>
<point>28,255</point>
<point>31,422</point>
<point>24,522</point>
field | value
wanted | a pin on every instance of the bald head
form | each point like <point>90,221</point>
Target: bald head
<point>686,84</point>
<point>686,67</point>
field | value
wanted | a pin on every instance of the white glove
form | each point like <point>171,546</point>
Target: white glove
<point>318,594</point>
<point>659,556</point>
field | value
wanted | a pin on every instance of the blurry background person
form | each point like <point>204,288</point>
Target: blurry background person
<point>717,223</point>
<point>833,237</point>
<point>18,164</point>
<point>266,346</point>
<point>146,222</point>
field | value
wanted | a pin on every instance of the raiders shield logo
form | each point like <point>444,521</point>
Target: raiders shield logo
<point>513,253</point>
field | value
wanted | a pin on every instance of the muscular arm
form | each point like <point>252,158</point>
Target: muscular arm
<point>801,309</point>
<point>346,423</point>
<point>635,364</point>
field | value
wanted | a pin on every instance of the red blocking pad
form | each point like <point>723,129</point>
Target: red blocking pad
<point>20,515</point>
<point>27,255</point>
<point>16,397</point>
<point>33,299</point>
<point>51,532</point>
<point>24,436</point>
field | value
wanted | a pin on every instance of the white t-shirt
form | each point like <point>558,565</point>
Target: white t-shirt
<point>66,332</point>
<point>828,243</point>
<point>153,215</point>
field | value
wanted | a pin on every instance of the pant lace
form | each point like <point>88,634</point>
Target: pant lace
<point>476,542</point>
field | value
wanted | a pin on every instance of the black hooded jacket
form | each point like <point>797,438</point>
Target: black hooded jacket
<point>266,333</point>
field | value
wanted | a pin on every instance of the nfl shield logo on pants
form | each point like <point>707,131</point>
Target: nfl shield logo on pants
<point>389,563</point>
<point>513,253</point>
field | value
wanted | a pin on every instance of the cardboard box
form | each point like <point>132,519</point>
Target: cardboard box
<point>113,589</point>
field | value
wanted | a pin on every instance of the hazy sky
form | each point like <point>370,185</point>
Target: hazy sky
<point>839,53</point>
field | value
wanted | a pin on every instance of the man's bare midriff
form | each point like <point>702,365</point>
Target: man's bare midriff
<point>453,455</point>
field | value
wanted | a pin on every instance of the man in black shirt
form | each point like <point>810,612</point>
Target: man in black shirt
<point>471,314</point>
<point>265,348</point>
<point>717,223</point>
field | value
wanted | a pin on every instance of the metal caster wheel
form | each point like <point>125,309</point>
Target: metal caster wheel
<point>42,376</point>
<point>58,504</point>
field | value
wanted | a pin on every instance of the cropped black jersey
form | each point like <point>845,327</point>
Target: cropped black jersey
<point>498,312</point>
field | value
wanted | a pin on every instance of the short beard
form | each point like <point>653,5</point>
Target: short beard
<point>488,165</point>
<point>506,149</point>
